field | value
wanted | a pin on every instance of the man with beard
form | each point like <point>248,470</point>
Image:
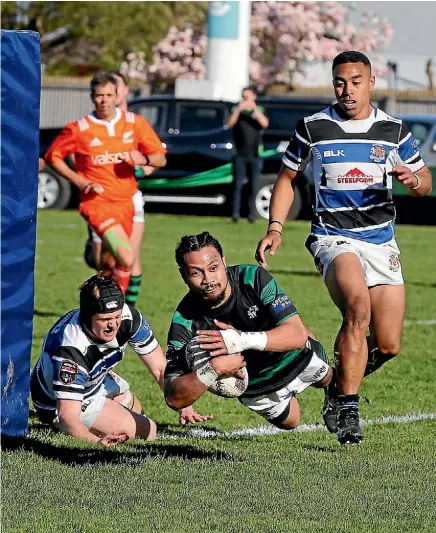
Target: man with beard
<point>355,151</point>
<point>235,313</point>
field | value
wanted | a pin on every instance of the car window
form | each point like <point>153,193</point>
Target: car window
<point>154,113</point>
<point>285,117</point>
<point>419,130</point>
<point>200,118</point>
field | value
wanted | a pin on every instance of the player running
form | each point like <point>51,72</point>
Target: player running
<point>107,144</point>
<point>93,248</point>
<point>355,151</point>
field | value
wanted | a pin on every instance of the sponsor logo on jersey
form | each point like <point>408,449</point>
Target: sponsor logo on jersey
<point>355,175</point>
<point>334,153</point>
<point>112,304</point>
<point>394,263</point>
<point>281,303</point>
<point>377,153</point>
<point>68,372</point>
<point>110,158</point>
<point>95,142</point>
<point>252,311</point>
<point>127,137</point>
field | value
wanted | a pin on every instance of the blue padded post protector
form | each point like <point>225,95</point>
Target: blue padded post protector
<point>20,94</point>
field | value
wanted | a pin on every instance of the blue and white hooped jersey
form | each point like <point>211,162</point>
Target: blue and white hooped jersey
<point>350,162</point>
<point>73,367</point>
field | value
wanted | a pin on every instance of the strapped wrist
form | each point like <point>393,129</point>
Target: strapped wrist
<point>254,340</point>
<point>206,374</point>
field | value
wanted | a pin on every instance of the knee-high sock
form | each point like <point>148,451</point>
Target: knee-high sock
<point>122,275</point>
<point>375,358</point>
<point>133,289</point>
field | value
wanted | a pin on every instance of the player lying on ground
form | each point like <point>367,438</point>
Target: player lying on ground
<point>355,151</point>
<point>73,385</point>
<point>244,319</point>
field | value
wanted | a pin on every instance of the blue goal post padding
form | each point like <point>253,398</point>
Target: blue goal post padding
<point>20,94</point>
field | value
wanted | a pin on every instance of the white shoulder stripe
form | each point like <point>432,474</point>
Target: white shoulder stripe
<point>59,395</point>
<point>72,385</point>
<point>414,156</point>
<point>83,124</point>
<point>405,139</point>
<point>290,164</point>
<point>300,138</point>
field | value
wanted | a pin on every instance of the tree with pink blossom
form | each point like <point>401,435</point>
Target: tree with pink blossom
<point>285,37</point>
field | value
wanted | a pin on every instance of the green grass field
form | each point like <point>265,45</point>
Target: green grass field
<point>288,482</point>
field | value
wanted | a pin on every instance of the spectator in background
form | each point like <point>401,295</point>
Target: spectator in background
<point>247,120</point>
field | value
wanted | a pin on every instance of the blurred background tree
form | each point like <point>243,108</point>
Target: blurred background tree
<point>86,36</point>
<point>285,37</point>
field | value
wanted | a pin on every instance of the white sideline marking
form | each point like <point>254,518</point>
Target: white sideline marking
<point>419,323</point>
<point>202,433</point>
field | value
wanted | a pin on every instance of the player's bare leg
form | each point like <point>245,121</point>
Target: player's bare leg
<point>347,287</point>
<point>118,243</point>
<point>114,418</point>
<point>388,303</point>
<point>136,273</point>
<point>130,401</point>
<point>293,418</point>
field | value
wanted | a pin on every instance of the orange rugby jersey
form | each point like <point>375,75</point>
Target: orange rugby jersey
<point>102,150</point>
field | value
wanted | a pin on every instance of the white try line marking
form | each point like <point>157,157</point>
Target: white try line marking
<point>202,433</point>
<point>419,323</point>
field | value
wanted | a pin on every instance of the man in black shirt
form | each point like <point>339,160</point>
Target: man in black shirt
<point>247,120</point>
<point>243,319</point>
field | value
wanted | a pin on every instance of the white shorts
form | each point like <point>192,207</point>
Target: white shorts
<point>139,216</point>
<point>112,386</point>
<point>380,262</point>
<point>272,405</point>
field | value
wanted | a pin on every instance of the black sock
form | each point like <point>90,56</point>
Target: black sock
<point>348,401</point>
<point>332,389</point>
<point>375,359</point>
<point>133,290</point>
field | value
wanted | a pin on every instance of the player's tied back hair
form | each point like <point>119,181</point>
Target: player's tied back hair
<point>351,56</point>
<point>102,78</point>
<point>194,243</point>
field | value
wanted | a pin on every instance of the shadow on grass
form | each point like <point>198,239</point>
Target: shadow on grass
<point>47,314</point>
<point>302,273</point>
<point>122,454</point>
<point>316,448</point>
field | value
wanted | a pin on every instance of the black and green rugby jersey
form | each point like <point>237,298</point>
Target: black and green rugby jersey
<point>256,303</point>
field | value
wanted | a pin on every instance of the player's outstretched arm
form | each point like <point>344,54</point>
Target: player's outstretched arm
<point>183,391</point>
<point>281,202</point>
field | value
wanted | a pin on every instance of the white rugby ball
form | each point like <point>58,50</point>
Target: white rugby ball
<point>227,387</point>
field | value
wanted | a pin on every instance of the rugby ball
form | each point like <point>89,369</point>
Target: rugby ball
<point>227,387</point>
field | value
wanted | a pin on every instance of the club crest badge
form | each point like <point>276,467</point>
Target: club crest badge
<point>394,263</point>
<point>378,153</point>
<point>68,372</point>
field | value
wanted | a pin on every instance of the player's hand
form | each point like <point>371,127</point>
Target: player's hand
<point>405,176</point>
<point>92,187</point>
<point>188,415</point>
<point>270,242</point>
<point>212,340</point>
<point>147,169</point>
<point>112,440</point>
<point>138,158</point>
<point>229,365</point>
